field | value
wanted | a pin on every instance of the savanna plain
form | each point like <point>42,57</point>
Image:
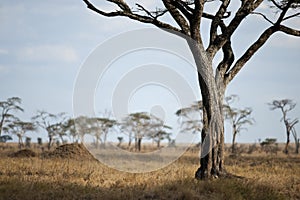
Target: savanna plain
<point>70,172</point>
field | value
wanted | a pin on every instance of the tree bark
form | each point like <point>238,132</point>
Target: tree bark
<point>286,151</point>
<point>233,141</point>
<point>212,92</point>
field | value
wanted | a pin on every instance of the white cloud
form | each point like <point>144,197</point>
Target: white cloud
<point>48,53</point>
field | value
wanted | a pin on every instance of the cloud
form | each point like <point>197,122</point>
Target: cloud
<point>48,53</point>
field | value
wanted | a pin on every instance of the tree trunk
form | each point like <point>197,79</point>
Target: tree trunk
<point>50,142</point>
<point>297,145</point>
<point>233,141</point>
<point>139,144</point>
<point>212,88</point>
<point>286,151</point>
<point>212,135</point>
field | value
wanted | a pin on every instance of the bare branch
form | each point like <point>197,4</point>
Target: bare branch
<point>249,53</point>
<point>246,8</point>
<point>288,30</point>
<point>291,16</point>
<point>180,20</point>
<point>128,13</point>
<point>217,19</point>
<point>264,16</point>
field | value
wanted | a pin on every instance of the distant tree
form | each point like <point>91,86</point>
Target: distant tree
<point>48,122</point>
<point>297,140</point>
<point>159,136</point>
<point>7,108</point>
<point>5,138</point>
<point>190,118</point>
<point>120,139</point>
<point>103,126</point>
<point>19,128</point>
<point>238,118</point>
<point>142,125</point>
<point>83,126</point>
<point>70,129</point>
<point>285,105</point>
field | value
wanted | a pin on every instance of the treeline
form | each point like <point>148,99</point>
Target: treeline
<point>135,126</point>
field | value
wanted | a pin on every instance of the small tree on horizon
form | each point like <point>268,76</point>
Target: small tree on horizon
<point>19,128</point>
<point>48,122</point>
<point>8,107</point>
<point>285,106</point>
<point>238,118</point>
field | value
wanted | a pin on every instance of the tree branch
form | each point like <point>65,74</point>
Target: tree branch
<point>246,8</point>
<point>180,20</point>
<point>249,53</point>
<point>184,8</point>
<point>126,12</point>
<point>264,16</point>
<point>288,30</point>
<point>216,20</point>
<point>291,16</point>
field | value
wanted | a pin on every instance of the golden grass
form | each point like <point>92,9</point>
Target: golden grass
<point>265,177</point>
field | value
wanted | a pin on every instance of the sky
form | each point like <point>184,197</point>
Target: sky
<point>45,44</point>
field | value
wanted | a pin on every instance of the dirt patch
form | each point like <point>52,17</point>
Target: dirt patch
<point>70,151</point>
<point>24,153</point>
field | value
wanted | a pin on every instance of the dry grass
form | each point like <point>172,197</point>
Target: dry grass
<point>265,177</point>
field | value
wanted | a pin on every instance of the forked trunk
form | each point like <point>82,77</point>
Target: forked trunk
<point>212,135</point>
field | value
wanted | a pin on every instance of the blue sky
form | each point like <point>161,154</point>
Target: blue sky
<point>43,45</point>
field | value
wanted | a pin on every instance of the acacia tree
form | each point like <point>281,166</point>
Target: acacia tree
<point>286,105</point>
<point>238,118</point>
<point>143,125</point>
<point>49,122</point>
<point>19,128</point>
<point>188,15</point>
<point>7,108</point>
<point>190,118</point>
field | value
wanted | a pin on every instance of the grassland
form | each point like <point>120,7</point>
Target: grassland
<point>259,176</point>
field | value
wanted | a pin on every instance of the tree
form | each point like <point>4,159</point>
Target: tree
<point>142,125</point>
<point>190,118</point>
<point>104,125</point>
<point>70,129</point>
<point>188,15</point>
<point>19,128</point>
<point>297,140</point>
<point>286,105</point>
<point>7,108</point>
<point>49,122</point>
<point>238,118</point>
<point>83,127</point>
<point>159,136</point>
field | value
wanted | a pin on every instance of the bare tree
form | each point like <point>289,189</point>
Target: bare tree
<point>286,105</point>
<point>7,108</point>
<point>187,16</point>
<point>238,118</point>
